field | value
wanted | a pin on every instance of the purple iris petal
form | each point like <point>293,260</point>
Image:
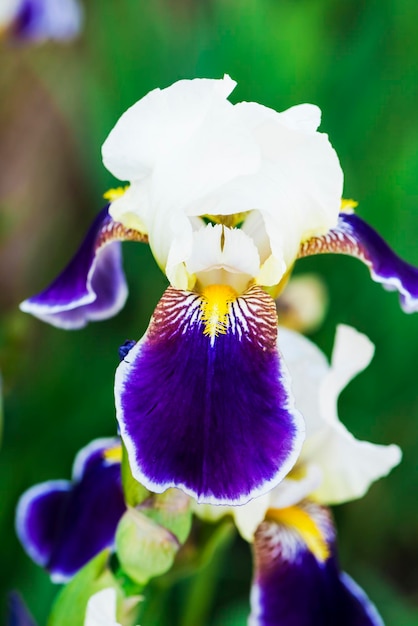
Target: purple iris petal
<point>92,286</point>
<point>355,237</point>
<point>294,587</point>
<point>37,20</point>
<point>62,525</point>
<point>209,414</point>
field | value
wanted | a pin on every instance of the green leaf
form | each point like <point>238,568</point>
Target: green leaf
<point>144,548</point>
<point>70,606</point>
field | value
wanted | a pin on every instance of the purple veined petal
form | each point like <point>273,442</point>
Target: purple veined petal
<point>18,614</point>
<point>38,20</point>
<point>209,412</point>
<point>63,524</point>
<point>353,236</point>
<point>92,287</point>
<point>297,585</point>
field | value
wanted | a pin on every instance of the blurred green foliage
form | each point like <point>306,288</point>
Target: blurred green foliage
<point>358,60</point>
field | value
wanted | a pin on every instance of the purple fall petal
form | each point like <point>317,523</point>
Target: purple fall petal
<point>294,587</point>
<point>211,415</point>
<point>62,525</point>
<point>92,287</point>
<point>356,238</point>
<point>37,20</point>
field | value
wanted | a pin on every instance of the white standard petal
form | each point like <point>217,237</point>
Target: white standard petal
<point>101,609</point>
<point>160,122</point>
<point>303,171</point>
<point>304,117</point>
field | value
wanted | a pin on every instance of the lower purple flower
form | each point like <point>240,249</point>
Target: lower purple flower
<point>297,580</point>
<point>62,524</point>
<point>203,401</point>
<point>353,236</point>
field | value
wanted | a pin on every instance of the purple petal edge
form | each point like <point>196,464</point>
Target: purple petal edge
<point>353,236</point>
<point>212,417</point>
<point>92,287</point>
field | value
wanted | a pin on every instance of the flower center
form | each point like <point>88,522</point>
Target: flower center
<point>215,303</point>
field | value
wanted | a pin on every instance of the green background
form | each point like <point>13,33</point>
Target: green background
<point>358,60</point>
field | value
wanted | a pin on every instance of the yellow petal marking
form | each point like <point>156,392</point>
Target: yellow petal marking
<point>231,221</point>
<point>114,194</point>
<point>348,205</point>
<point>113,454</point>
<point>215,308</point>
<point>296,518</point>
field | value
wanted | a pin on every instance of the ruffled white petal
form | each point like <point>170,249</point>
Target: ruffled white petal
<point>352,353</point>
<point>348,465</point>
<point>160,122</point>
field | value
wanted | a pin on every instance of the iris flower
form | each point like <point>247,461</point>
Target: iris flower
<point>63,524</point>
<point>38,20</point>
<point>228,198</point>
<point>292,531</point>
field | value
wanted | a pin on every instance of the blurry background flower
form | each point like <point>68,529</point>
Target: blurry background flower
<point>34,21</point>
<point>358,62</point>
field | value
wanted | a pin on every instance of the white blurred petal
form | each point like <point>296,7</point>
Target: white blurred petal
<point>348,465</point>
<point>8,10</point>
<point>101,609</point>
<point>295,489</point>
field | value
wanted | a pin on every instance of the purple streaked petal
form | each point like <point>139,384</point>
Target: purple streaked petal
<point>37,20</point>
<point>209,414</point>
<point>92,287</point>
<point>62,525</point>
<point>353,236</point>
<point>292,586</point>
